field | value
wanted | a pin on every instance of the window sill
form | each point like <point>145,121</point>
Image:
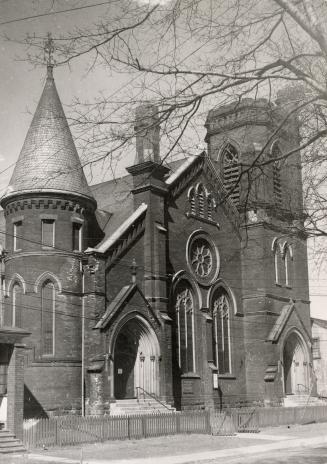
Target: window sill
<point>227,376</point>
<point>48,247</point>
<point>190,375</point>
<point>203,219</point>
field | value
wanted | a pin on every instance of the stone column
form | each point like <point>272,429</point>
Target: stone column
<point>15,389</point>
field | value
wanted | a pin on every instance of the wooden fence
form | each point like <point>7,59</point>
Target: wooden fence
<point>270,417</point>
<point>74,430</point>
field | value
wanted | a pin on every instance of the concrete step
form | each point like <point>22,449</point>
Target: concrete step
<point>15,450</point>
<point>10,444</point>
<point>302,400</point>
<point>138,407</point>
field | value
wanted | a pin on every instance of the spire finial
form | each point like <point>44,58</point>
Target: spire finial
<point>48,53</point>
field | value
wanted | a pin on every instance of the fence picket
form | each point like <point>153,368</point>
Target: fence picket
<point>72,430</point>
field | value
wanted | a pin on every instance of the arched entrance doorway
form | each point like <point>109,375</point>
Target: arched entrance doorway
<point>136,356</point>
<point>296,365</point>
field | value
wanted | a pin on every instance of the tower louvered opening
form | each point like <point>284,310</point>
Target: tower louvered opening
<point>231,172</point>
<point>277,185</point>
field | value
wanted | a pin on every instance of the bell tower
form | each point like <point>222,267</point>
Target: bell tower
<point>253,145</point>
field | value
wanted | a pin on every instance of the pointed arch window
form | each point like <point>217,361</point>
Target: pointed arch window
<point>277,257</point>
<point>277,185</point>
<point>17,306</point>
<point>201,194</point>
<point>221,310</point>
<point>231,172</point>
<point>48,318</point>
<point>288,264</point>
<point>184,309</point>
<point>191,197</point>
<point>202,203</point>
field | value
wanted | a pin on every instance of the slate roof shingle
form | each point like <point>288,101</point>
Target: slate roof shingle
<point>49,159</point>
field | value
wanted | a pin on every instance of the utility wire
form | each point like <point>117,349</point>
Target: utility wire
<point>16,20</point>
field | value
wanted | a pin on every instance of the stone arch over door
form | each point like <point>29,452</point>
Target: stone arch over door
<point>296,364</point>
<point>136,355</point>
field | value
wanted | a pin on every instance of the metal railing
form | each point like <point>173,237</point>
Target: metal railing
<point>151,395</point>
<point>301,389</point>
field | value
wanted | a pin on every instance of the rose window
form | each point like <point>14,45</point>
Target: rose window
<point>203,257</point>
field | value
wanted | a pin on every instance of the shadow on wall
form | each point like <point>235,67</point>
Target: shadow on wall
<point>32,408</point>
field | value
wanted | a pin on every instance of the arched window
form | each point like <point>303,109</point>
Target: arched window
<point>201,194</point>
<point>184,308</point>
<point>48,318</point>
<point>288,264</point>
<point>221,309</point>
<point>17,293</point>
<point>277,186</point>
<point>210,205</point>
<point>231,172</point>
<point>277,256</point>
<point>191,197</point>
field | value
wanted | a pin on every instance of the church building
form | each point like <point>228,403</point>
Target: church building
<point>187,282</point>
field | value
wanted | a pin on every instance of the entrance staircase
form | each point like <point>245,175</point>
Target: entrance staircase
<point>303,399</point>
<point>10,444</point>
<point>141,406</point>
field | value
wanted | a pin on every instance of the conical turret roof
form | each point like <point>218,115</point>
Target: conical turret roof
<point>49,160</point>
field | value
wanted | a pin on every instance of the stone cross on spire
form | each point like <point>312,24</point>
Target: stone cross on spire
<point>48,53</point>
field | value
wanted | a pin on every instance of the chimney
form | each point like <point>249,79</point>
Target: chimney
<point>147,133</point>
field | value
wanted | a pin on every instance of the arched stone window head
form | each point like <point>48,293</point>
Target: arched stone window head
<point>221,310</point>
<point>231,171</point>
<point>184,313</point>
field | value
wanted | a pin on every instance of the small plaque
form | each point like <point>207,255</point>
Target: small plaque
<point>187,386</point>
<point>119,371</point>
<point>215,380</point>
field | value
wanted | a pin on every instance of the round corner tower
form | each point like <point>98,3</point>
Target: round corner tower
<point>48,209</point>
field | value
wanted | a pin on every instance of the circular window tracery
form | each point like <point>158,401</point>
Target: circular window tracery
<point>203,257</point>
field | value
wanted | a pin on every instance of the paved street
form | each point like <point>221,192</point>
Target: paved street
<point>316,455</point>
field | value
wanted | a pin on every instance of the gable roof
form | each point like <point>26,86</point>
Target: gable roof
<point>320,322</point>
<point>118,302</point>
<point>111,240</point>
<point>281,322</point>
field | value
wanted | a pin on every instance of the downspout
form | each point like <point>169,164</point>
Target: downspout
<point>83,340</point>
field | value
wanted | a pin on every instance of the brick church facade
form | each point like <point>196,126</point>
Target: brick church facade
<point>180,282</point>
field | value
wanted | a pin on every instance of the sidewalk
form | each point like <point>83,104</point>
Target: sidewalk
<point>179,449</point>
